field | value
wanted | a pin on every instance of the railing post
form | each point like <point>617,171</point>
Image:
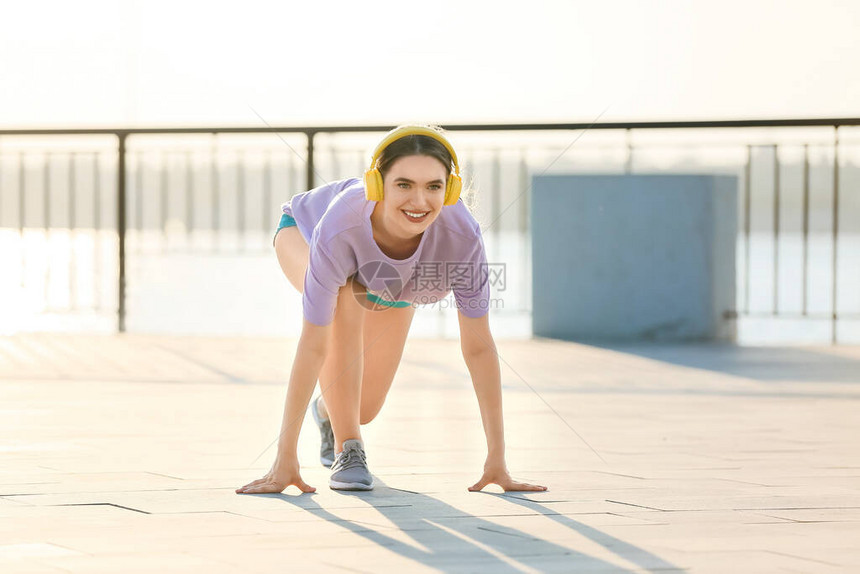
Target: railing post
<point>776,202</point>
<point>747,227</point>
<point>121,228</point>
<point>628,165</point>
<point>97,225</point>
<point>73,298</point>
<point>46,216</point>
<point>309,174</point>
<point>805,227</point>
<point>496,207</point>
<point>215,174</point>
<point>833,334</point>
<point>22,213</point>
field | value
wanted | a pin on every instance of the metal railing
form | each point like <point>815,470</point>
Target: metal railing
<point>309,157</point>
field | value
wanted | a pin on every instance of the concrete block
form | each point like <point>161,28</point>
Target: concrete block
<point>642,257</point>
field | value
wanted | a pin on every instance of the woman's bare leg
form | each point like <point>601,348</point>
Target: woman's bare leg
<point>373,363</point>
<point>292,251</point>
<point>341,374</point>
<point>384,338</point>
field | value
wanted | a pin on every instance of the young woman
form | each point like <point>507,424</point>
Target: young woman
<point>362,253</point>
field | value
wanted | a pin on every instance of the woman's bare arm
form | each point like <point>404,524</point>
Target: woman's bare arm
<point>310,355</point>
<point>479,352</point>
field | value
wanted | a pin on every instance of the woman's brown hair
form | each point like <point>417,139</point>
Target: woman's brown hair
<point>426,145</point>
<point>414,145</point>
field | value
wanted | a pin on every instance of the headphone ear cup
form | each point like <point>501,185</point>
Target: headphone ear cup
<point>373,185</point>
<point>452,193</point>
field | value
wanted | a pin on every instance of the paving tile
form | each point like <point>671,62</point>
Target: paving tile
<point>708,459</point>
<point>28,566</point>
<point>699,516</point>
<point>815,514</point>
<point>33,550</point>
<point>142,562</point>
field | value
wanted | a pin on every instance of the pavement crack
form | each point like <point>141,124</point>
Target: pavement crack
<point>403,490</point>
<point>803,558</point>
<point>636,505</point>
<point>164,475</point>
<point>202,364</point>
<point>103,504</point>
<point>619,474</point>
<point>533,500</point>
<point>505,533</point>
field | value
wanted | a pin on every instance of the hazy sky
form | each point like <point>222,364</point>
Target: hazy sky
<point>144,63</point>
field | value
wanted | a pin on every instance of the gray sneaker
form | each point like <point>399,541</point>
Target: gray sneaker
<point>326,436</point>
<point>350,469</point>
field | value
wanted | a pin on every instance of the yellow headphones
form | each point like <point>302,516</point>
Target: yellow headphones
<point>373,179</point>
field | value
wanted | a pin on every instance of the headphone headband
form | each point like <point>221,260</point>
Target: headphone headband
<point>402,132</point>
<point>373,185</point>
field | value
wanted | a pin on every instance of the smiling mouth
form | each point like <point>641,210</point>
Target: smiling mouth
<point>415,216</point>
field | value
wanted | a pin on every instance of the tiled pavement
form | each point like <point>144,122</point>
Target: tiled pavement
<point>121,454</point>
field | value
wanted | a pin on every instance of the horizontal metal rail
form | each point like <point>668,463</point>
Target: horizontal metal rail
<point>781,123</point>
<point>122,173</point>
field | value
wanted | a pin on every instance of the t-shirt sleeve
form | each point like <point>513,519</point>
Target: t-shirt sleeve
<point>309,207</point>
<point>470,281</point>
<point>324,277</point>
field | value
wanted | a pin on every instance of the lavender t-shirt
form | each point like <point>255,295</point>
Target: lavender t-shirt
<point>335,221</point>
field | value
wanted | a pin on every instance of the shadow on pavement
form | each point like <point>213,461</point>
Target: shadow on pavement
<point>758,363</point>
<point>458,541</point>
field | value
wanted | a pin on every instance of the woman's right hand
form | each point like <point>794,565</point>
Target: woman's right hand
<point>276,480</point>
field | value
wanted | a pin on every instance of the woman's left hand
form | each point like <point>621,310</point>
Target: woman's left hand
<point>498,474</point>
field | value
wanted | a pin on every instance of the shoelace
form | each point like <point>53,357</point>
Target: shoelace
<point>350,459</point>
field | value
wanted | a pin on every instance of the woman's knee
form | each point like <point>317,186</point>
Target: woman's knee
<point>348,323</point>
<point>292,252</point>
<point>367,416</point>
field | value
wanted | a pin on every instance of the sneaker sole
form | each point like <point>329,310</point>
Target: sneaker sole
<point>335,485</point>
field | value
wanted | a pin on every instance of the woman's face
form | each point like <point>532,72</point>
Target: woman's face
<point>414,186</point>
